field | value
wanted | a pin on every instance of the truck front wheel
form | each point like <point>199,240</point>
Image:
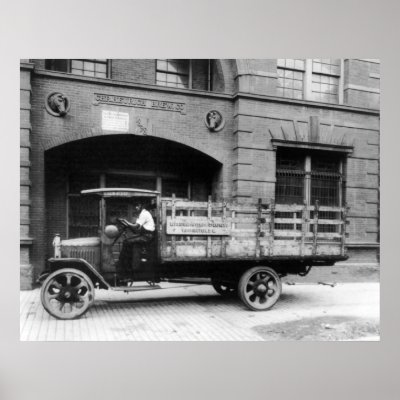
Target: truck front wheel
<point>259,288</point>
<point>67,293</point>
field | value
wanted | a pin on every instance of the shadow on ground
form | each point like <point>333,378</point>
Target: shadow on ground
<point>201,299</point>
<point>320,328</point>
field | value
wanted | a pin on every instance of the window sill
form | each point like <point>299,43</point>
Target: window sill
<point>311,146</point>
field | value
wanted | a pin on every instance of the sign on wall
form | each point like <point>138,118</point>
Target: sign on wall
<point>115,121</point>
<point>139,103</point>
<point>198,226</point>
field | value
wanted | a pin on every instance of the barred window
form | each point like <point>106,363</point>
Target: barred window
<point>173,186</point>
<point>83,211</point>
<point>290,175</point>
<point>323,171</point>
<point>83,216</point>
<point>131,181</point>
<point>97,67</point>
<point>173,73</point>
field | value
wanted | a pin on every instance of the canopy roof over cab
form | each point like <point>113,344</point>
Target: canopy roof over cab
<point>121,192</point>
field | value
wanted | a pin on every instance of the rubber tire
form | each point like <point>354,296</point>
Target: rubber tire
<point>242,286</point>
<point>62,271</point>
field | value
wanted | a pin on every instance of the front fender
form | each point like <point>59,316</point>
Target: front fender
<point>54,264</point>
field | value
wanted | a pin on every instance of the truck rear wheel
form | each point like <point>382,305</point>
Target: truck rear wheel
<point>67,293</point>
<point>259,288</point>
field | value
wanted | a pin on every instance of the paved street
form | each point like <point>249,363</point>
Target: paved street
<point>347,311</point>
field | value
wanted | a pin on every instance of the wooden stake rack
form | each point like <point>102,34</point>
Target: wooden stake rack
<point>192,230</point>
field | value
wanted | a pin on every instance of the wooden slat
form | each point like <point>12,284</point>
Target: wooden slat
<point>330,222</point>
<point>244,208</point>
<point>271,228</point>
<point>203,243</point>
<point>288,221</point>
<point>244,230</point>
<point>209,213</point>
<point>343,229</point>
<point>304,217</point>
<point>223,238</point>
<point>233,225</point>
<point>173,214</point>
<point>246,220</point>
<point>315,227</point>
<point>188,242</point>
<point>163,227</point>
<point>329,235</point>
<point>286,233</point>
<point>247,208</point>
<point>258,231</point>
<point>192,204</point>
<point>288,207</point>
<point>236,234</point>
<point>326,208</point>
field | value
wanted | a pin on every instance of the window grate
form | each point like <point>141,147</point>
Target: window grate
<point>290,186</point>
<point>325,187</point>
<point>83,216</point>
<point>321,182</point>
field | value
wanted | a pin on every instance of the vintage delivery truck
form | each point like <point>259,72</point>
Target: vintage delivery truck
<point>238,249</point>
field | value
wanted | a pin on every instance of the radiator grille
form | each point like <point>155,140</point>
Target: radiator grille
<point>89,255</point>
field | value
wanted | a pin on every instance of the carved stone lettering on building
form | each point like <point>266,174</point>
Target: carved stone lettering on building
<point>139,103</point>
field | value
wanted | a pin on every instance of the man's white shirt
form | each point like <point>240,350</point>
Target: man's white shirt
<point>146,221</point>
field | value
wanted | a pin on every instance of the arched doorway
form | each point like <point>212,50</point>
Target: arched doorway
<point>119,161</point>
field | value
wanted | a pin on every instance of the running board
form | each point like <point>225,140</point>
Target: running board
<point>135,288</point>
<point>194,281</point>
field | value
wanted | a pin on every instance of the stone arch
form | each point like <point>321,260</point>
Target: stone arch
<point>202,147</point>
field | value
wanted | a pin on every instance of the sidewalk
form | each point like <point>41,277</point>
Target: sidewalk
<point>347,311</point>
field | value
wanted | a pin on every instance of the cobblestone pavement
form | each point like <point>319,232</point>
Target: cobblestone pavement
<point>347,311</point>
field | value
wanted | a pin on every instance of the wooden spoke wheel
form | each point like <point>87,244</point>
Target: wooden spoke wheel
<point>67,293</point>
<point>224,289</point>
<point>260,288</point>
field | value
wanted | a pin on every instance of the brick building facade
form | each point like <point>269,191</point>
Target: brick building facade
<point>294,130</point>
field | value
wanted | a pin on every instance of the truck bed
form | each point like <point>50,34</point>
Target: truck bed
<point>209,231</point>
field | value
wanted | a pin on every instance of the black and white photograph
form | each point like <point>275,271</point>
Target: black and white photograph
<point>200,199</point>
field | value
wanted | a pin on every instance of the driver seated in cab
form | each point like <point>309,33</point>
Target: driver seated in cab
<point>144,228</point>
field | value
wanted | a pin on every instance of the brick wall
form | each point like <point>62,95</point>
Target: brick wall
<point>26,269</point>
<point>254,158</point>
<point>257,76</point>
<point>242,149</point>
<point>143,71</point>
<point>362,83</point>
<point>84,121</point>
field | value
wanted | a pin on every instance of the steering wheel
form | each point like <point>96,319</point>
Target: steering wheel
<point>123,222</point>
